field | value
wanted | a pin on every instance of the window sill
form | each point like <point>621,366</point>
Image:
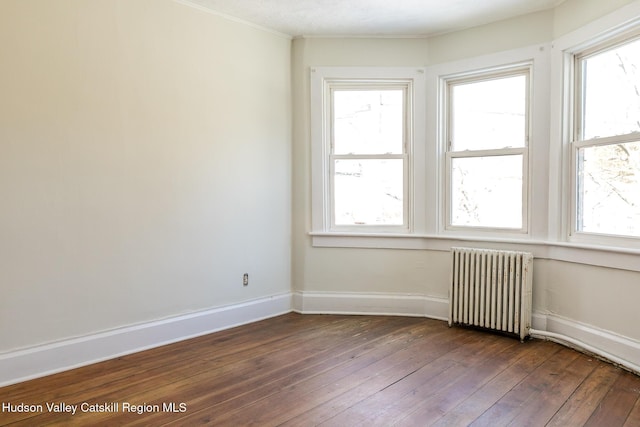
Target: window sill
<point>603,256</point>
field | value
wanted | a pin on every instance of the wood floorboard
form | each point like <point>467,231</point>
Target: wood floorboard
<point>616,406</point>
<point>395,401</point>
<point>509,405</point>
<point>470,380</point>
<point>633,420</point>
<point>545,402</point>
<point>332,400</point>
<point>255,369</point>
<point>309,370</point>
<point>328,365</point>
<point>343,371</point>
<point>479,401</point>
<point>582,403</point>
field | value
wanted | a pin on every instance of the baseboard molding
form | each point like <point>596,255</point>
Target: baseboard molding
<point>56,357</point>
<point>615,348</point>
<point>387,304</point>
<point>60,356</point>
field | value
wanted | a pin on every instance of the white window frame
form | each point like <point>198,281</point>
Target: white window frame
<point>446,83</point>
<point>573,125</point>
<point>325,79</point>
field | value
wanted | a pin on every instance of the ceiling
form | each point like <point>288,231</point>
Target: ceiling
<point>300,18</point>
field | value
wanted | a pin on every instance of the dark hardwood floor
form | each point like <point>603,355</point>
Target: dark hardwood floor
<point>307,370</point>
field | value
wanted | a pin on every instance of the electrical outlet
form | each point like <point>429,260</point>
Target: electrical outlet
<point>245,279</point>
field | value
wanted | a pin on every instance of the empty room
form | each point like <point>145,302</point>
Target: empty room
<point>310,212</point>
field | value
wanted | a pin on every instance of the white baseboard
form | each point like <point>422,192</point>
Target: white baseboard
<point>607,345</point>
<point>60,356</point>
<point>51,358</point>
<point>388,304</point>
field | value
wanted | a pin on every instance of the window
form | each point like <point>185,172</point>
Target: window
<point>487,134</point>
<point>363,149</point>
<point>368,153</point>
<point>606,140</point>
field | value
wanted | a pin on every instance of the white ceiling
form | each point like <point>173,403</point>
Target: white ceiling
<point>372,17</point>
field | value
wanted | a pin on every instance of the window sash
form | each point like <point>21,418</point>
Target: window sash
<point>368,87</point>
<point>452,84</point>
<point>404,155</point>
<point>577,143</point>
<point>451,155</point>
<point>449,159</point>
<point>404,226</point>
<point>580,83</point>
<point>579,196</point>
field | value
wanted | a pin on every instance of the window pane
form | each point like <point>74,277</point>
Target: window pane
<point>368,121</point>
<point>369,192</point>
<point>609,189</point>
<point>487,191</point>
<point>612,92</point>
<point>489,114</point>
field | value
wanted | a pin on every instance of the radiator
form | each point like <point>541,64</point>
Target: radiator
<point>491,289</point>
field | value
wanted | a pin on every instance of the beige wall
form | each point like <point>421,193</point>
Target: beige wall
<point>603,297</point>
<point>526,30</point>
<point>144,165</point>
<point>573,14</point>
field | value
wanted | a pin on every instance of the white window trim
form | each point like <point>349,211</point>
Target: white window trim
<point>536,59</point>
<point>524,68</point>
<point>321,182</point>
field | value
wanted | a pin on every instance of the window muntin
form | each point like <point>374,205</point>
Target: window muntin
<point>487,157</point>
<point>368,155</point>
<point>606,143</point>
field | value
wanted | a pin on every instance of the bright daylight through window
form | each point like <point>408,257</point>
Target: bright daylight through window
<point>368,157</point>
<point>487,150</point>
<point>607,140</point>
